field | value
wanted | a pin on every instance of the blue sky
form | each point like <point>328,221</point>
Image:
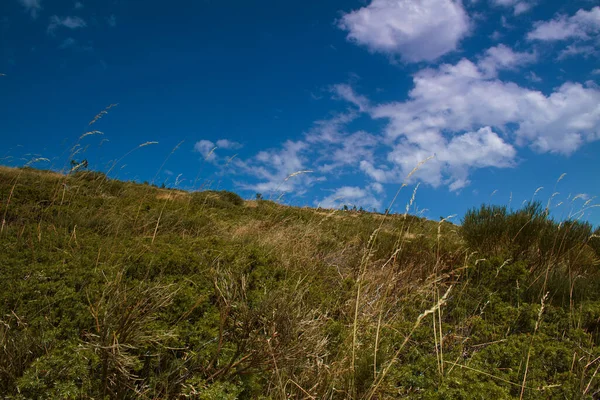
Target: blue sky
<point>319,103</point>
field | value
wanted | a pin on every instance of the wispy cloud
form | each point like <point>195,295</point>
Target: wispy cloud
<point>503,57</point>
<point>415,31</point>
<point>33,7</point>
<point>573,50</point>
<point>346,92</point>
<point>78,5</point>
<point>580,25</point>
<point>208,148</point>
<point>112,21</point>
<point>68,42</point>
<point>274,167</point>
<point>519,6</point>
<point>228,144</point>
<point>70,22</point>
<point>533,77</point>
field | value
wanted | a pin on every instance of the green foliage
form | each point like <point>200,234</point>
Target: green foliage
<point>221,199</point>
<point>119,290</point>
<point>526,234</point>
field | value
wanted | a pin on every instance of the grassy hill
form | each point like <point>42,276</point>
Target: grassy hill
<point>111,289</point>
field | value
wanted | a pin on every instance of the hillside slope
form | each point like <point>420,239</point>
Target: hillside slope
<point>111,289</point>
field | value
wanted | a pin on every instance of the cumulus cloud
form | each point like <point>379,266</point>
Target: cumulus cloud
<point>67,22</point>
<point>33,7</point>
<point>452,158</point>
<point>459,117</point>
<point>462,97</point>
<point>350,196</point>
<point>581,25</point>
<point>467,118</point>
<point>415,30</point>
<point>461,114</point>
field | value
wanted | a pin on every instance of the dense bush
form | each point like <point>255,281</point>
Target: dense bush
<point>528,233</point>
<point>216,199</point>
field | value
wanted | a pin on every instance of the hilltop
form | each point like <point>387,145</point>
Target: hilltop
<point>112,289</point>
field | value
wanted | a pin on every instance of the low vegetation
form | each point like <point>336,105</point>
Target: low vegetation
<point>117,290</point>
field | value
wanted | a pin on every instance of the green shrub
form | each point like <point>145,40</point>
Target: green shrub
<point>216,199</point>
<point>525,234</point>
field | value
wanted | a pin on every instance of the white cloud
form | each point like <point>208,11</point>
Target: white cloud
<point>415,30</point>
<point>334,146</point>
<point>503,57</point>
<point>573,50</point>
<point>350,196</point>
<point>377,187</point>
<point>580,26</point>
<point>67,22</point>
<point>228,144</point>
<point>346,92</point>
<point>78,5</point>
<point>348,151</point>
<point>274,169</point>
<point>326,148</point>
<point>33,7</point>
<point>522,7</point>
<point>206,148</point>
<point>453,158</point>
<point>330,130</point>
<point>462,97</point>
<point>519,6</point>
<point>462,114</point>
